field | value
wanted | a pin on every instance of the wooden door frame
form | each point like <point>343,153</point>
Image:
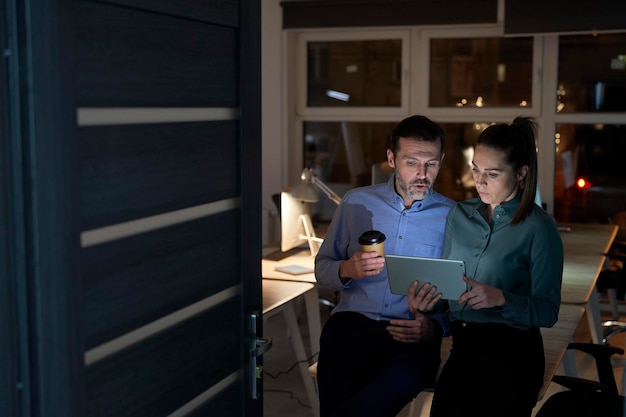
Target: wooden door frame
<point>9,367</point>
<point>251,185</point>
<point>44,237</point>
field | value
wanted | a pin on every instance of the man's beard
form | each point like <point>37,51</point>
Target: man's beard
<point>413,194</point>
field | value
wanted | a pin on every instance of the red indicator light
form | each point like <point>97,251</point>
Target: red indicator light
<point>582,183</point>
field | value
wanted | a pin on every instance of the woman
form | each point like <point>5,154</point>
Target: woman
<point>514,263</point>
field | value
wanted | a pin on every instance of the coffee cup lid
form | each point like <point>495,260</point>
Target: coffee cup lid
<point>371,237</point>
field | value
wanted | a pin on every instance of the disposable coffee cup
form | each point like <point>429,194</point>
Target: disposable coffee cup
<point>373,241</point>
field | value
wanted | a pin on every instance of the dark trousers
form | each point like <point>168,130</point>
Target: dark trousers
<point>362,371</point>
<point>493,370</point>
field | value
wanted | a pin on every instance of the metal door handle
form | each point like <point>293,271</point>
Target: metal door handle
<point>261,346</point>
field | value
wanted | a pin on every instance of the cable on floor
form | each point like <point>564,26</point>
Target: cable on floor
<point>292,396</point>
<point>291,368</point>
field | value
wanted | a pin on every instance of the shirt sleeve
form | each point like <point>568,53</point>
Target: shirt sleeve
<point>332,253</point>
<point>541,309</point>
<point>443,320</point>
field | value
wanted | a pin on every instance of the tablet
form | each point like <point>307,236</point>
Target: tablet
<point>445,274</point>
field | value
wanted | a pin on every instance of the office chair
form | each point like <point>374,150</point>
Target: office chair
<point>587,398</point>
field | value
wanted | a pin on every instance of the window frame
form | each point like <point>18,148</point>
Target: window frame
<point>416,79</point>
<point>303,37</point>
<point>473,113</point>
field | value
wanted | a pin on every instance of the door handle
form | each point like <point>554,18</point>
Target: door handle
<point>261,346</point>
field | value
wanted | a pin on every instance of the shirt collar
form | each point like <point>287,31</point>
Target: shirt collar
<point>509,207</point>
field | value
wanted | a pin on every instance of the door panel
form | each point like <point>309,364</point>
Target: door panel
<point>131,282</point>
<point>135,171</point>
<point>118,298</point>
<point>130,57</point>
<point>164,314</point>
<point>220,12</point>
<point>162,373</point>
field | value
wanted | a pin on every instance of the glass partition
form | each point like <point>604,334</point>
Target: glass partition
<point>590,178</point>
<point>344,152</point>
<point>592,73</point>
<point>481,72</point>
<point>354,73</point>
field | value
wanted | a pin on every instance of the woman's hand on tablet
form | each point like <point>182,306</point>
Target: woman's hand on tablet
<point>482,295</point>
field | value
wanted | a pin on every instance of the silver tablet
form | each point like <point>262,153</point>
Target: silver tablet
<point>445,274</point>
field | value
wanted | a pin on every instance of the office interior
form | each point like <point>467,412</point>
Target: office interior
<point>135,132</point>
<point>464,76</point>
<point>344,84</point>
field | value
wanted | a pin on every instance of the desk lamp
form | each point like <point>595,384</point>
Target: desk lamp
<point>305,191</point>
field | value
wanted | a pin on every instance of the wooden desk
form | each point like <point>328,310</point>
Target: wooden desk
<point>278,297</point>
<point>555,342</point>
<point>311,298</point>
<point>583,249</point>
<point>302,258</point>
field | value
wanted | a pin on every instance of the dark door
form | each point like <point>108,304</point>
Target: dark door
<point>132,207</point>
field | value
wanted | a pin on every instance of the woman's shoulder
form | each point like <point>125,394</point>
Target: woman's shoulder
<point>541,223</point>
<point>469,205</point>
<point>465,208</point>
<point>541,217</point>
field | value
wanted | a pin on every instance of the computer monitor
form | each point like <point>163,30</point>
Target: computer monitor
<point>538,200</point>
<point>296,227</point>
<point>381,172</point>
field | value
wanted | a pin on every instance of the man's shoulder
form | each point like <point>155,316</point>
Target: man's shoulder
<point>442,199</point>
<point>367,191</point>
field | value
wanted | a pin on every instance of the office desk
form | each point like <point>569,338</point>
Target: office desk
<point>555,342</point>
<point>311,298</point>
<point>583,249</point>
<point>279,297</point>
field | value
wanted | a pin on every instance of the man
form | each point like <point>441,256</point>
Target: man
<point>376,356</point>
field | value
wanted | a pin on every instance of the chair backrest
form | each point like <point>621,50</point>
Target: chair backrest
<point>587,398</point>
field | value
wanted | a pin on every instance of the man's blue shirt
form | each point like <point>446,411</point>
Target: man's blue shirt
<point>416,231</point>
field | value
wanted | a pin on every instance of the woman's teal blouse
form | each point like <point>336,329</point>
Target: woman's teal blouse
<point>524,260</point>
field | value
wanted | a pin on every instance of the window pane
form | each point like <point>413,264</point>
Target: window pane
<point>354,73</point>
<point>343,152</point>
<point>481,72</point>
<point>595,154</point>
<point>592,73</point>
